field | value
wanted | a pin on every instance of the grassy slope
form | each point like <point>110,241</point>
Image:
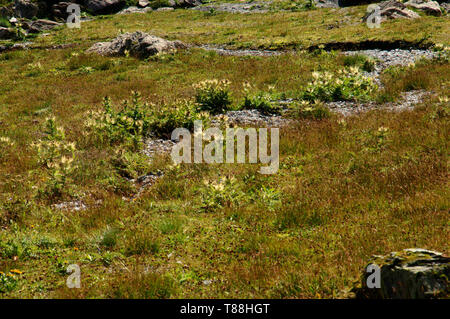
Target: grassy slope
<point>340,195</point>
<point>271,30</point>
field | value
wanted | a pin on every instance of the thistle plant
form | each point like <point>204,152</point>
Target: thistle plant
<point>346,85</point>
<point>56,155</point>
<point>213,95</point>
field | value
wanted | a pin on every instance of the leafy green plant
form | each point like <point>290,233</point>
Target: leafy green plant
<point>4,22</point>
<point>165,118</point>
<point>213,96</point>
<point>259,101</point>
<point>361,61</point>
<point>135,120</point>
<point>125,126</point>
<point>56,155</point>
<point>8,282</point>
<point>347,84</point>
<point>307,110</point>
<point>224,193</point>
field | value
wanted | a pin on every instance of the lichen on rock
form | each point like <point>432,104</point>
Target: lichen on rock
<point>411,273</point>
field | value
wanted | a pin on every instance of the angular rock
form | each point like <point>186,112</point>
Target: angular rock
<point>139,44</point>
<point>187,3</point>
<point>429,7</point>
<point>411,273</point>
<point>104,6</point>
<point>143,3</point>
<point>135,10</point>
<point>165,9</point>
<point>6,33</point>
<point>40,25</point>
<point>25,9</point>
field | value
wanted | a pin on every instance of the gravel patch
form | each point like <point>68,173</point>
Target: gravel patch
<point>408,101</point>
<point>157,146</point>
<point>248,7</point>
<point>387,58</point>
<point>254,118</point>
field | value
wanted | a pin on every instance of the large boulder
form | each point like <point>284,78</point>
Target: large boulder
<point>25,9</point>
<point>429,7</point>
<point>392,9</point>
<point>138,44</point>
<point>411,273</point>
<point>105,6</point>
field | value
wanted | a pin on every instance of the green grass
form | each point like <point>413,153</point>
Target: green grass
<point>347,188</point>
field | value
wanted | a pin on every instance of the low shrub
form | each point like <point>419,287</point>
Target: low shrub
<point>348,84</point>
<point>259,101</point>
<point>213,96</point>
<point>361,61</point>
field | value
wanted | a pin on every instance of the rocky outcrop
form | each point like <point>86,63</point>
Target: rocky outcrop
<point>429,7</point>
<point>104,6</point>
<point>25,9</point>
<point>411,273</point>
<point>39,25</point>
<point>135,10</point>
<point>392,9</point>
<point>138,44</point>
<point>59,10</point>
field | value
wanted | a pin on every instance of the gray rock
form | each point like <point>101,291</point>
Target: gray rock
<point>26,9</point>
<point>104,6</point>
<point>143,3</point>
<point>429,7</point>
<point>165,9</point>
<point>411,273</point>
<point>40,25</point>
<point>187,3</point>
<point>393,9</point>
<point>135,10</point>
<point>139,44</point>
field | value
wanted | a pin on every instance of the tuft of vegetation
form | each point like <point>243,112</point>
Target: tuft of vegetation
<point>361,61</point>
<point>346,85</point>
<point>213,96</point>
